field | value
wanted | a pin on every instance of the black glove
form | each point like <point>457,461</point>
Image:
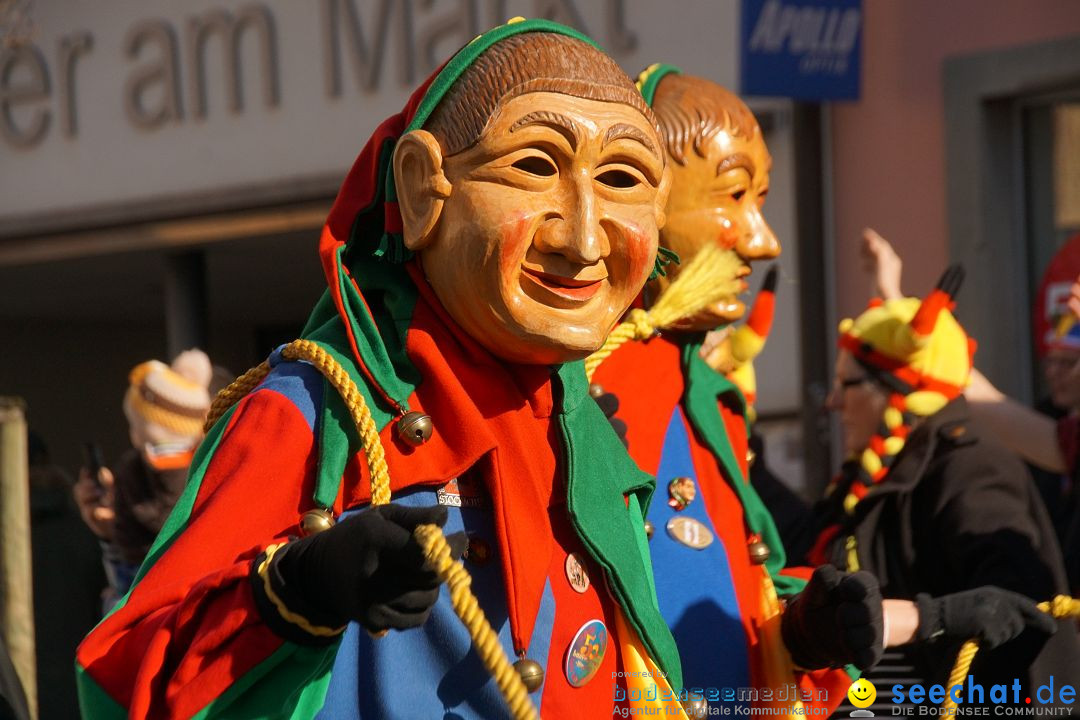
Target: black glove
<point>609,404</point>
<point>835,620</point>
<point>367,568</point>
<point>989,614</point>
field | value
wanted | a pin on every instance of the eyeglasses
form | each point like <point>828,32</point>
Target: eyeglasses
<point>842,384</point>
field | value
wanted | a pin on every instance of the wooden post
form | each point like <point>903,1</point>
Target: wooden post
<point>16,572</point>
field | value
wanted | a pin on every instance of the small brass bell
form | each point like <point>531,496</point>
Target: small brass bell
<point>759,552</point>
<point>696,708</point>
<point>531,673</point>
<point>649,529</point>
<point>316,521</point>
<point>596,390</point>
<point>415,428</point>
<point>751,456</point>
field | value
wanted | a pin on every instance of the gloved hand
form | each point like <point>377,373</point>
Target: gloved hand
<point>367,568</point>
<point>835,620</point>
<point>989,614</point>
<point>609,404</point>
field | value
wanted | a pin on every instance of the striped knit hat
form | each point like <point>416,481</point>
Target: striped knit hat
<point>175,399</point>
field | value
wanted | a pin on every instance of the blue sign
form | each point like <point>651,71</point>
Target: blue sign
<point>802,49</point>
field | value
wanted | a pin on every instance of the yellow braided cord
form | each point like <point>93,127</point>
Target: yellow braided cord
<point>436,549</point>
<point>231,394</point>
<point>486,642</point>
<point>960,670</point>
<point>332,370</point>
<point>283,610</point>
<point>1062,606</point>
<point>637,326</point>
<point>706,280</point>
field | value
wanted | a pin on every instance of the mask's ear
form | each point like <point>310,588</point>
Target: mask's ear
<point>421,186</point>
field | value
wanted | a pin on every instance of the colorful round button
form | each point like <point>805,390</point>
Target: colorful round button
<point>586,653</point>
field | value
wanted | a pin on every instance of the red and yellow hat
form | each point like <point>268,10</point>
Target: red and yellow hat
<point>915,347</point>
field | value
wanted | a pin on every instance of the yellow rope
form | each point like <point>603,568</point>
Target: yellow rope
<point>707,279</point>
<point>1062,606</point>
<point>235,390</point>
<point>358,410</point>
<point>430,537</point>
<point>458,582</point>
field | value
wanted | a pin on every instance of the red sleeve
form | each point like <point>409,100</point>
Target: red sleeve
<point>190,627</point>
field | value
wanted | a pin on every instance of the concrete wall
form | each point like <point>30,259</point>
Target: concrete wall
<point>888,148</point>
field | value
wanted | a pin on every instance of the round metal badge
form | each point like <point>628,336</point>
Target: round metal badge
<point>576,573</point>
<point>689,532</point>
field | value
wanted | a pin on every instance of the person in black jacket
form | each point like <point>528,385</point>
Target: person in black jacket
<point>935,508</point>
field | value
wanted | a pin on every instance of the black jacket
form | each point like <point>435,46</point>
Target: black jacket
<point>957,511</point>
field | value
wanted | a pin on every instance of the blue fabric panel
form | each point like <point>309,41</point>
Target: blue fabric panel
<point>432,672</point>
<point>694,587</point>
<point>301,383</point>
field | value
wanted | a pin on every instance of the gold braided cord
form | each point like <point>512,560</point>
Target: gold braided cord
<point>707,279</point>
<point>231,394</point>
<point>354,400</point>
<point>1062,606</point>
<point>263,571</point>
<point>430,537</point>
<point>458,582</point>
<point>960,670</point>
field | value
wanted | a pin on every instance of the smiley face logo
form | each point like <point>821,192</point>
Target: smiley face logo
<point>862,693</point>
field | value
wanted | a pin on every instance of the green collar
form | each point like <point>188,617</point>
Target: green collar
<point>599,475</point>
<point>705,388</point>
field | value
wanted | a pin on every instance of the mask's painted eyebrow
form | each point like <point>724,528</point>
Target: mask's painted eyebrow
<point>626,130</point>
<point>736,160</point>
<point>556,121</point>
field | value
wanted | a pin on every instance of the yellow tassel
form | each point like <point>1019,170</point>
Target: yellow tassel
<point>870,462</point>
<point>893,445</point>
<point>925,402</point>
<point>850,501</point>
<point>707,279</point>
<point>893,418</point>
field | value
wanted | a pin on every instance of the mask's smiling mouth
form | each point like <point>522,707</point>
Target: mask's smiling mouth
<point>559,290</point>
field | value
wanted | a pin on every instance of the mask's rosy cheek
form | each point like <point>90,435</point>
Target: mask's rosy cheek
<point>640,251</point>
<point>514,239</point>
<point>728,234</point>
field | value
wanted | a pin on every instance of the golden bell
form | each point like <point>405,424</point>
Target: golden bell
<point>415,428</point>
<point>696,708</point>
<point>759,552</point>
<point>751,456</point>
<point>316,521</point>
<point>531,673</point>
<point>649,529</point>
<point>596,390</point>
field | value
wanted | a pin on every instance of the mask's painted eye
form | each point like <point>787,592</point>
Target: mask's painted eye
<point>737,196</point>
<point>535,165</point>
<point>617,179</point>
